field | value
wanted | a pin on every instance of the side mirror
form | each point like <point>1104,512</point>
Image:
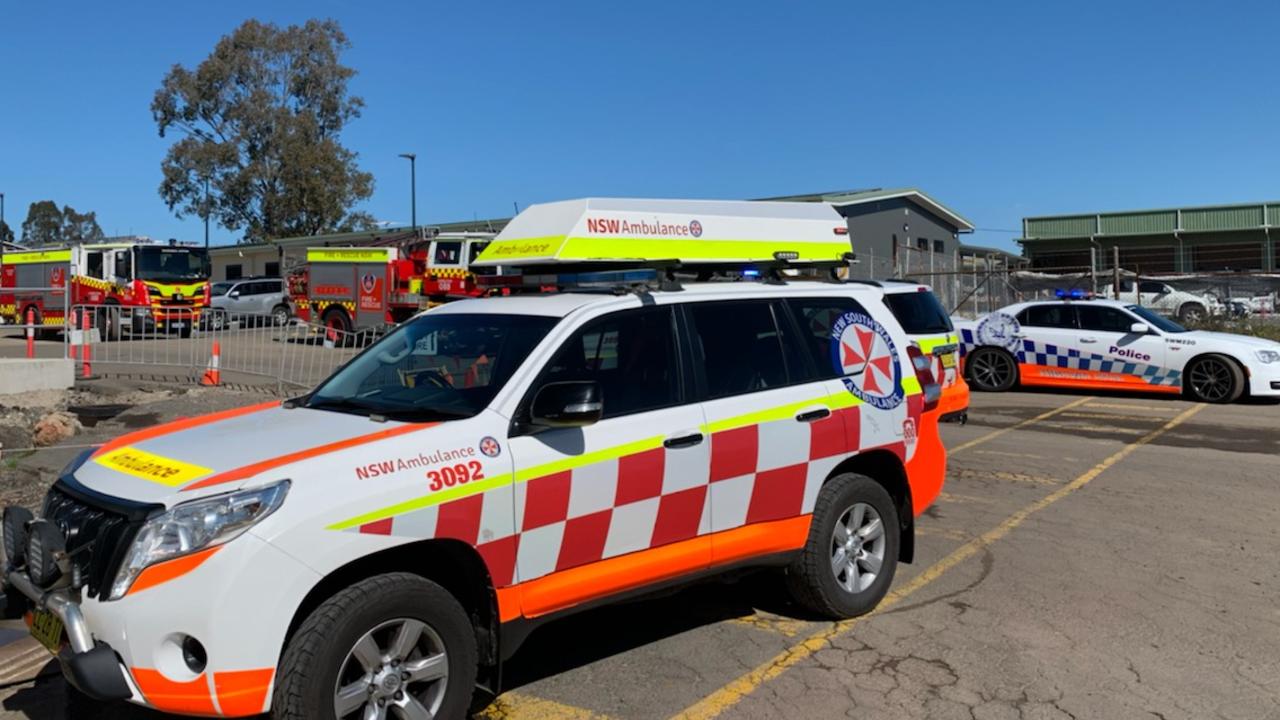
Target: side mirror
<point>1139,328</point>
<point>575,403</point>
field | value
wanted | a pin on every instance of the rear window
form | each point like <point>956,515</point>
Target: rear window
<point>918,312</point>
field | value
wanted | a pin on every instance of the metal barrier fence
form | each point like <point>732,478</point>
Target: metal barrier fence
<point>255,349</point>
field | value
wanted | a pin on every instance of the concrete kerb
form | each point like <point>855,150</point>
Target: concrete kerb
<point>23,375</point>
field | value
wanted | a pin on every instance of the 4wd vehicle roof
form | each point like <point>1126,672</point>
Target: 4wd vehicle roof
<point>562,303</point>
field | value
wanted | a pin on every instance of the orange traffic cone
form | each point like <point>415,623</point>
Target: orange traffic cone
<point>213,376</point>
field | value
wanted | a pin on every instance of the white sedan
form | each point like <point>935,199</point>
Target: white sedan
<point>1109,344</point>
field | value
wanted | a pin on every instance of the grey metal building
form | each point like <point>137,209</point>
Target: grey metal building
<point>1197,239</point>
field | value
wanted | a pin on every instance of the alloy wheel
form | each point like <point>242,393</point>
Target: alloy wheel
<point>1211,380</point>
<point>992,369</point>
<point>857,547</point>
<point>399,670</point>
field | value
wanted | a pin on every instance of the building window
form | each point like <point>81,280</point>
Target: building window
<point>922,244</point>
<point>939,246</point>
<point>273,269</point>
<point>234,272</point>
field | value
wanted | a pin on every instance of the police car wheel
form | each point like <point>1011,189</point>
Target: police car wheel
<point>394,645</point>
<point>849,560</point>
<point>991,369</point>
<point>1214,379</point>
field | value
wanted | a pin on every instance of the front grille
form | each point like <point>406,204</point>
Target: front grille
<point>98,535</point>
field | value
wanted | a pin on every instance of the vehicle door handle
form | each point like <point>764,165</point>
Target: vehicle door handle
<point>682,441</point>
<point>812,415</point>
<point>1088,340</point>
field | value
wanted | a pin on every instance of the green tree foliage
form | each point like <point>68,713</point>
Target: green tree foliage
<point>260,120</point>
<point>6,232</point>
<point>48,226</point>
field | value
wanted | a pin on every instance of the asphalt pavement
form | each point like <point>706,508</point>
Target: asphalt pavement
<point>1091,557</point>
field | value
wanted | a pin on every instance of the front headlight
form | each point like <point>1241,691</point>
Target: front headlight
<point>195,526</point>
<point>1267,356</point>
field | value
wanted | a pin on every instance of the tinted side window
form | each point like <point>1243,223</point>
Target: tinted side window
<point>632,354</point>
<point>918,312</point>
<point>816,316</point>
<point>739,347</point>
<point>1058,315</point>
<point>1148,286</point>
<point>1104,319</point>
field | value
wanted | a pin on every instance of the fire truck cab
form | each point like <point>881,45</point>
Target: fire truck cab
<point>360,288</point>
<point>135,286</point>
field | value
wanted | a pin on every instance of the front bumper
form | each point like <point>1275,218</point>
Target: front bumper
<point>91,667</point>
<point>1264,381</point>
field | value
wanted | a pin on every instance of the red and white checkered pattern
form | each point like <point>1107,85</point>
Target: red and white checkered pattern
<point>757,473</point>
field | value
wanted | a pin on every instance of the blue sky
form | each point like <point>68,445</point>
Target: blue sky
<point>999,109</point>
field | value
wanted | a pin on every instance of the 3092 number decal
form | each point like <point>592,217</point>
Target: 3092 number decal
<point>451,475</point>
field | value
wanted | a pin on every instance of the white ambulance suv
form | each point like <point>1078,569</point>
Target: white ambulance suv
<point>379,546</point>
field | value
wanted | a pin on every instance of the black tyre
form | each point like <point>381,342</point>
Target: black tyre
<point>339,322</point>
<point>109,322</point>
<point>394,645</point>
<point>1191,312</point>
<point>217,320</point>
<point>186,329</point>
<point>991,369</point>
<point>280,315</point>
<point>1214,379</point>
<point>852,553</point>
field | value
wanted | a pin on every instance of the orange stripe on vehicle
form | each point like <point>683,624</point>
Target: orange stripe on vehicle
<point>170,569</point>
<point>508,603</point>
<point>1088,379</point>
<point>191,698</point>
<point>182,424</point>
<point>242,693</point>
<point>601,579</point>
<point>763,538</point>
<point>927,468</point>
<point>258,467</point>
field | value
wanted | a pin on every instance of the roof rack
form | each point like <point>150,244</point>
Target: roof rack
<point>655,275</point>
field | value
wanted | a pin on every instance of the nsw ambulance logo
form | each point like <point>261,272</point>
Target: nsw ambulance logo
<point>867,359</point>
<point>149,466</point>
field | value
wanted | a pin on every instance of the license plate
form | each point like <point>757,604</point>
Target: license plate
<point>177,325</point>
<point>949,360</point>
<point>47,629</point>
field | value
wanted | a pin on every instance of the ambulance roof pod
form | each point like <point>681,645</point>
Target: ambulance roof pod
<point>692,231</point>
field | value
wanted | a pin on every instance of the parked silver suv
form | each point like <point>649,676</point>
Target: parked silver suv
<point>249,300</point>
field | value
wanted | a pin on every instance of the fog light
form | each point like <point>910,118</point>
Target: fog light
<point>45,548</point>
<point>194,655</point>
<point>15,534</point>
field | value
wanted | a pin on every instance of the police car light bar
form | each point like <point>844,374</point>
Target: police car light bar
<point>1072,294</point>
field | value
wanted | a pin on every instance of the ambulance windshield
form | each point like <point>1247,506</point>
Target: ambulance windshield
<point>1158,322</point>
<point>437,367</point>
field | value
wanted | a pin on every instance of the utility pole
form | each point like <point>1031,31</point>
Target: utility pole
<point>1115,264</point>
<point>413,185</point>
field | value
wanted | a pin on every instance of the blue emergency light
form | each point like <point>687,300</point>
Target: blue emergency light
<point>1072,294</point>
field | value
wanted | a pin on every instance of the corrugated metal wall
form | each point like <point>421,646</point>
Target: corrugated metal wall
<point>1227,218</point>
<point>1144,223</point>
<point>1060,226</point>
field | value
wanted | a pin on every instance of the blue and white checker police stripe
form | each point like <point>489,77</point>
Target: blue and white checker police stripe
<point>1049,355</point>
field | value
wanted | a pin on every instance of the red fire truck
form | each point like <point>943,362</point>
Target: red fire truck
<point>131,286</point>
<point>359,288</point>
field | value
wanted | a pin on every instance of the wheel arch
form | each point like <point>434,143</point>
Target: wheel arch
<point>887,469</point>
<point>452,564</point>
<point>1244,369</point>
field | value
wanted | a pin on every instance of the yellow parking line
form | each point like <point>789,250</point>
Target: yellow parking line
<point>1008,454</point>
<point>1080,425</point>
<point>1122,406</point>
<point>997,433</point>
<point>733,693</point>
<point>518,706</point>
<point>784,626</point>
<point>1111,416</point>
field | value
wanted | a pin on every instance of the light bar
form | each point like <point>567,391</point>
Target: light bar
<point>1072,294</point>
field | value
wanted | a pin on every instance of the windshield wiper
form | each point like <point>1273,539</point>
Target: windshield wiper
<point>422,414</point>
<point>346,405</point>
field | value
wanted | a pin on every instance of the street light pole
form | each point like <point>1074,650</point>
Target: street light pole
<point>413,185</point>
<point>206,212</point>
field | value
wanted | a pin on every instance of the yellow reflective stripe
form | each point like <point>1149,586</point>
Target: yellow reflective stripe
<point>547,247</point>
<point>928,344</point>
<point>169,289</point>
<point>453,493</point>
<point>611,248</point>
<point>577,461</point>
<point>348,254</point>
<point>44,256</point>
<point>911,385</point>
<point>782,412</point>
<point>589,248</point>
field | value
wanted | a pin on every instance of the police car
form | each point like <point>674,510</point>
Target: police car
<point>379,546</point>
<point>1076,342</point>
